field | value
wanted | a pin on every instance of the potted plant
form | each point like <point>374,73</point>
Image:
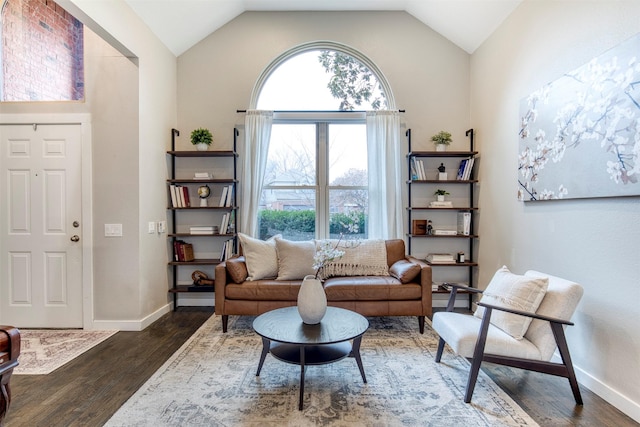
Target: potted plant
<point>201,138</point>
<point>441,140</point>
<point>440,194</point>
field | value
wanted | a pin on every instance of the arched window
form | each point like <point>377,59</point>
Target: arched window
<point>316,179</point>
<point>42,52</point>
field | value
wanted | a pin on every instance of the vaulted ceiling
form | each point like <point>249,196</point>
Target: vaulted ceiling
<point>180,24</point>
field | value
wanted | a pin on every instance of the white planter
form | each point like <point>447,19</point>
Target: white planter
<point>202,147</point>
<point>441,147</point>
<point>440,198</point>
<point>312,301</point>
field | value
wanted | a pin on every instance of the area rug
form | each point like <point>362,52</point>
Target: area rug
<point>211,381</point>
<point>42,351</point>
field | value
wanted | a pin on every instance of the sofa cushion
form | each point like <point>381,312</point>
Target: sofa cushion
<point>260,257</point>
<point>370,288</point>
<point>237,269</point>
<point>516,292</point>
<point>404,270</point>
<point>295,259</point>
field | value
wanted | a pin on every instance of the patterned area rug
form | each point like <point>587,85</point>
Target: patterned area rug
<point>42,351</point>
<point>211,381</point>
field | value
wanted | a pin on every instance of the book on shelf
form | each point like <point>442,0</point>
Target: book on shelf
<point>202,175</point>
<point>418,167</point>
<point>434,258</point>
<point>437,204</point>
<point>187,201</point>
<point>229,198</point>
<point>467,169</point>
<point>174,196</point>
<point>464,223</point>
<point>442,232</point>
<point>227,250</point>
<point>201,229</point>
<point>463,164</point>
<point>223,196</point>
<point>224,223</point>
<point>183,251</point>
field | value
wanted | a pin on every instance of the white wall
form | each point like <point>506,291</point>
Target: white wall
<point>592,241</point>
<point>428,74</point>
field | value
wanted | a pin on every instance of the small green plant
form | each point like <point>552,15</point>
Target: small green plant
<point>441,138</point>
<point>440,192</point>
<point>201,136</point>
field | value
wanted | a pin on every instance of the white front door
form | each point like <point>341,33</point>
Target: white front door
<point>40,226</point>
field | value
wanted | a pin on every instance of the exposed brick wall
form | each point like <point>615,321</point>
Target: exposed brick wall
<point>42,52</point>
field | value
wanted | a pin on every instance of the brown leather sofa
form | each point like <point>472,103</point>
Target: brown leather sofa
<point>9,352</point>
<point>399,294</point>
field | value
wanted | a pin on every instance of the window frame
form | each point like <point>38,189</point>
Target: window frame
<point>321,120</point>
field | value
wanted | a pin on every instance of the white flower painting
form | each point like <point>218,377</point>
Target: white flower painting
<point>580,135</point>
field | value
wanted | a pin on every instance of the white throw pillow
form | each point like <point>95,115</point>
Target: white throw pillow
<point>260,257</point>
<point>295,259</point>
<point>510,290</point>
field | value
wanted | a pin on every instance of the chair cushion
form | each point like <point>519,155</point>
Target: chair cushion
<point>404,270</point>
<point>516,292</point>
<point>295,259</point>
<point>260,257</point>
<point>460,331</point>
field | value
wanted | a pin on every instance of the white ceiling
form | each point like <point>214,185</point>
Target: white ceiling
<point>180,24</point>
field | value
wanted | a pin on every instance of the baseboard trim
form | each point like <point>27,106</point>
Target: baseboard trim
<point>614,397</point>
<point>132,325</point>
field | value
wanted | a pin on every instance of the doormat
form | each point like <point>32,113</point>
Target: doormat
<point>42,351</point>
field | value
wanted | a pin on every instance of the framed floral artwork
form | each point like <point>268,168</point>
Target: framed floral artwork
<point>580,134</point>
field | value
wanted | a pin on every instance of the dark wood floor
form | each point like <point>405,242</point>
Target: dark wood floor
<point>88,390</point>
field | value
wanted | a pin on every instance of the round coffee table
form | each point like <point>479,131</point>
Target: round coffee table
<point>288,339</point>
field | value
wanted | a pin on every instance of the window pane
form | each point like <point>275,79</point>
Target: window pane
<point>348,213</point>
<point>348,154</point>
<point>289,212</point>
<point>292,156</point>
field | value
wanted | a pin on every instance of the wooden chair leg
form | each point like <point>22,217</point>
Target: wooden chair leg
<point>478,354</point>
<point>225,322</point>
<point>563,348</point>
<point>440,350</point>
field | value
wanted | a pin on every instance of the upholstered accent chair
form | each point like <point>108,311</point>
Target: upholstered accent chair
<point>518,323</point>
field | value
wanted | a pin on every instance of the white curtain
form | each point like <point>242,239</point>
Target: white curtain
<point>385,220</point>
<point>257,133</point>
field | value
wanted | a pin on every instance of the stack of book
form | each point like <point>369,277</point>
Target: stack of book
<point>183,251</point>
<point>440,258</point>
<point>179,196</point>
<point>202,229</point>
<point>445,204</point>
<point>447,285</point>
<point>202,175</point>
<point>443,232</point>
<point>464,170</point>
<point>226,197</point>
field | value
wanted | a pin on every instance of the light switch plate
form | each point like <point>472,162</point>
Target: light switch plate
<point>162,227</point>
<point>152,227</point>
<point>113,230</point>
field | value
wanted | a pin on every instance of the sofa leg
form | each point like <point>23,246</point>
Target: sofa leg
<point>225,322</point>
<point>421,324</point>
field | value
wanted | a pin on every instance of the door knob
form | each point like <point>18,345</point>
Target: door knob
<point>75,238</point>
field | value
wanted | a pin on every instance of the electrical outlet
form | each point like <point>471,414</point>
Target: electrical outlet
<point>162,227</point>
<point>152,227</point>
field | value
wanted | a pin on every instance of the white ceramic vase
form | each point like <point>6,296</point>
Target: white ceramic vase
<point>202,147</point>
<point>441,147</point>
<point>312,301</point>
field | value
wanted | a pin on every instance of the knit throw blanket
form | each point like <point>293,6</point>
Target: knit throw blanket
<point>361,258</point>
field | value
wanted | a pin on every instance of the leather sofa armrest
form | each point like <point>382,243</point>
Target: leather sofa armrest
<point>219,283</point>
<point>425,280</point>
